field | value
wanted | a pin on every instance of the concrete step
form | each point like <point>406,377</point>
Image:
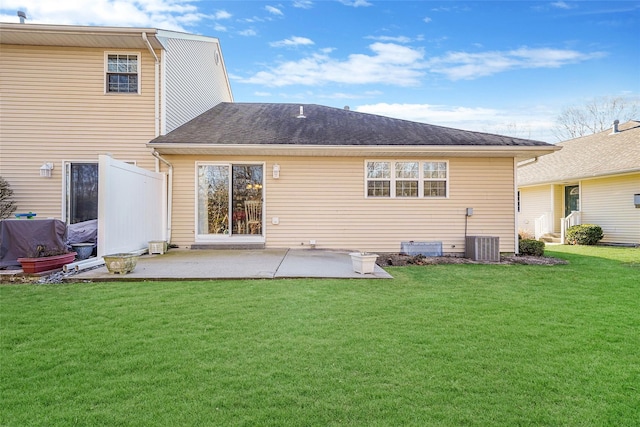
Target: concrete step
<point>551,238</point>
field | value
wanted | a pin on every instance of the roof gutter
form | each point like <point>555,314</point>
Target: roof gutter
<point>582,177</point>
<point>169,200</point>
<point>523,152</point>
<point>528,162</point>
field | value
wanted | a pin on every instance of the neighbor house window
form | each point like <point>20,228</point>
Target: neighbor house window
<point>407,178</point>
<point>122,73</point>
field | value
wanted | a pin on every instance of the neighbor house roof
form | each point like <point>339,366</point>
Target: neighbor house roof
<point>264,128</point>
<point>601,154</point>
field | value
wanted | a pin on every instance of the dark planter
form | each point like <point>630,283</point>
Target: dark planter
<point>84,250</point>
<point>38,265</point>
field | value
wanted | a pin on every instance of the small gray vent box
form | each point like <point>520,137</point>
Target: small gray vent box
<point>483,248</point>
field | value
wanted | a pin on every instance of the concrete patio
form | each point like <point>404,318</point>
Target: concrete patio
<point>204,264</point>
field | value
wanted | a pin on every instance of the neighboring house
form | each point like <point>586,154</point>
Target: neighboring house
<point>285,175</point>
<point>70,93</point>
<point>594,179</point>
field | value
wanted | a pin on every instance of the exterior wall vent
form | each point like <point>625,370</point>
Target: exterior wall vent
<point>482,248</point>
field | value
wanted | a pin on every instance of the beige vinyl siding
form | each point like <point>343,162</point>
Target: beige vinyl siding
<point>608,202</point>
<point>54,109</point>
<point>323,199</point>
<point>534,202</point>
<point>558,207</point>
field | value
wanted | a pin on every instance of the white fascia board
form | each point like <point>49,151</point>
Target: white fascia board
<point>186,36</point>
<point>351,150</point>
<point>568,179</point>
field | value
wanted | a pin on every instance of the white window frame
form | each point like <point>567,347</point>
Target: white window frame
<point>230,238</point>
<point>106,72</point>
<point>393,179</point>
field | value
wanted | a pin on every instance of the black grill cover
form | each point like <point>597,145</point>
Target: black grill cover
<point>22,238</point>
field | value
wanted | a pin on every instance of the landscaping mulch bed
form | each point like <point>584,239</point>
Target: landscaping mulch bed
<point>399,260</point>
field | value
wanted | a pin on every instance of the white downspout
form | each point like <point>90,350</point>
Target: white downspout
<point>157,133</point>
<point>515,205</point>
<point>156,85</point>
<point>169,191</point>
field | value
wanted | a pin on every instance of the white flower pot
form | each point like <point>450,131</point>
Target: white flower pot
<point>363,263</point>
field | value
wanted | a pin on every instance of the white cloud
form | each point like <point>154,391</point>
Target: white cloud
<point>561,5</point>
<point>356,3</point>
<point>528,122</point>
<point>292,42</point>
<point>340,95</point>
<point>221,14</point>
<point>388,64</point>
<point>248,33</point>
<point>427,113</point>
<point>427,19</point>
<point>303,4</point>
<point>395,39</point>
<point>468,66</point>
<point>165,14</point>
<point>273,10</point>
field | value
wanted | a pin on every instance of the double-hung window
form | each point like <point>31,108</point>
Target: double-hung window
<point>378,179</point>
<point>122,73</point>
<point>435,179</point>
<point>407,178</point>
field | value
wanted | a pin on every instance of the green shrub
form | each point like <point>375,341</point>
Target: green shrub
<point>531,247</point>
<point>585,234</point>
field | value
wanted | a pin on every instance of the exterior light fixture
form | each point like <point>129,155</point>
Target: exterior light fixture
<point>45,170</point>
<point>276,171</point>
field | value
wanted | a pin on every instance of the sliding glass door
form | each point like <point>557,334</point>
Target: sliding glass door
<point>230,200</point>
<point>81,193</point>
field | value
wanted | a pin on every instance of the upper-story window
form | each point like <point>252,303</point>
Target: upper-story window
<point>407,178</point>
<point>123,73</point>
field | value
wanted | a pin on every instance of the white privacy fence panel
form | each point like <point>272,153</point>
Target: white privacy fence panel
<point>130,206</point>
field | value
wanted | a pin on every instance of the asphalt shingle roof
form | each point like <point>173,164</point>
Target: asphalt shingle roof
<point>249,123</point>
<point>595,155</point>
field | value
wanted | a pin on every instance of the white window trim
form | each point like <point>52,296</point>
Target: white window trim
<point>106,66</point>
<point>392,180</point>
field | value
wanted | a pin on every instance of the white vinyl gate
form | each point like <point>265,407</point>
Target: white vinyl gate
<point>131,206</point>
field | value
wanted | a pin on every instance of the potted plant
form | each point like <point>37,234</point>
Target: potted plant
<point>363,262</point>
<point>43,259</point>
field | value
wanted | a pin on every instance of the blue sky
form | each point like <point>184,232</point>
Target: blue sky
<point>506,67</point>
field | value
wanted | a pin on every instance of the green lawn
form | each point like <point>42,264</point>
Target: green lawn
<point>450,345</point>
